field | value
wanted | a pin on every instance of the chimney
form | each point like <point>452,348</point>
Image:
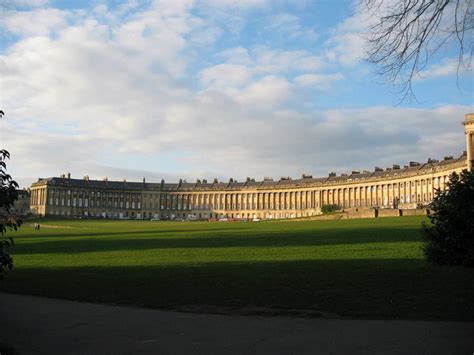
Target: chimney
<point>68,175</point>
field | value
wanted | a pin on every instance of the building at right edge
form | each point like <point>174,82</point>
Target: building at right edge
<point>395,188</point>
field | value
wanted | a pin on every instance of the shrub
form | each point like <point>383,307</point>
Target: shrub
<point>449,239</point>
<point>328,208</point>
<point>8,195</point>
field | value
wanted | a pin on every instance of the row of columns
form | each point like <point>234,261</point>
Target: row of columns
<point>85,198</point>
<point>38,197</point>
<point>242,201</point>
<point>413,191</point>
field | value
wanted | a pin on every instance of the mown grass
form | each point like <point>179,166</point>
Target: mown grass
<point>370,268</point>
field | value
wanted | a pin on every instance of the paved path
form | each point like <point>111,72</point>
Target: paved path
<point>34,325</point>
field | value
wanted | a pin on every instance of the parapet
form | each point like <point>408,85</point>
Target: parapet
<point>469,119</point>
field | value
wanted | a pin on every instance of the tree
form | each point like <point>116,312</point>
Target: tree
<point>449,239</point>
<point>407,33</point>
<point>8,195</point>
<point>329,208</point>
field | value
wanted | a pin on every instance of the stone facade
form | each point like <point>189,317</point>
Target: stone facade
<point>21,206</point>
<point>408,187</point>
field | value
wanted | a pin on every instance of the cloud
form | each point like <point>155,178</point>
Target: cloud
<point>112,95</point>
<point>321,81</point>
<point>243,65</point>
<point>347,44</point>
<point>274,60</point>
<point>225,75</point>
<point>268,91</point>
<point>447,67</point>
<point>236,55</point>
<point>290,26</point>
<point>9,4</point>
<point>235,4</point>
<point>38,22</point>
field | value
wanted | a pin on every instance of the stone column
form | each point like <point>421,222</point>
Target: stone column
<point>469,130</point>
<point>470,147</point>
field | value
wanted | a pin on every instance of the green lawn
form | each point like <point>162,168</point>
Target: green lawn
<point>372,268</point>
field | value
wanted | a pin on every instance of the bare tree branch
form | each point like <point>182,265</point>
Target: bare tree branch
<point>407,33</point>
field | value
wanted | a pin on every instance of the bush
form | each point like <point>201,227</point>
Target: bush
<point>328,208</point>
<point>8,195</point>
<point>449,239</point>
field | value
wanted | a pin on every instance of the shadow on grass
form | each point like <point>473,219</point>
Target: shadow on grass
<point>375,288</point>
<point>223,239</point>
<point>50,233</point>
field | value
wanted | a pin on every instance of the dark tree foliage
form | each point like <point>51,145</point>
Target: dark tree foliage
<point>449,239</point>
<point>8,195</point>
<point>407,33</point>
<point>328,208</point>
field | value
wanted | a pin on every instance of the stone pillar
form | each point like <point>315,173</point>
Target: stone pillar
<point>469,130</point>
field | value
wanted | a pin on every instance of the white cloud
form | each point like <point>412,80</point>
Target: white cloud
<point>38,22</point>
<point>109,97</point>
<point>268,91</point>
<point>232,4</point>
<point>225,75</point>
<point>273,61</point>
<point>206,36</point>
<point>243,65</point>
<point>321,81</point>
<point>237,55</point>
<point>9,4</point>
<point>447,67</point>
<point>290,26</point>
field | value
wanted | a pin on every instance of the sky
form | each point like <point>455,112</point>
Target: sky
<point>212,89</point>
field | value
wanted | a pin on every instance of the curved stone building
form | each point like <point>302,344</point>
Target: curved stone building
<point>397,188</point>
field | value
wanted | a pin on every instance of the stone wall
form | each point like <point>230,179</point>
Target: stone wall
<point>415,212</point>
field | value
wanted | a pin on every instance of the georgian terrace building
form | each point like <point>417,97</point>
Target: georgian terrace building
<point>398,187</point>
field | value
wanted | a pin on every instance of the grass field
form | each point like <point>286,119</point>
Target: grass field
<point>370,268</point>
